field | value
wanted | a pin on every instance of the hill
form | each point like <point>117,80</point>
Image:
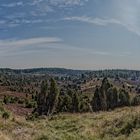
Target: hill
<point>63,104</point>
<point>52,71</point>
<point>120,124</point>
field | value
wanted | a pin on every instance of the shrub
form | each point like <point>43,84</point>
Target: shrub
<point>5,115</point>
<point>30,104</point>
<point>44,137</point>
<point>21,101</point>
<point>135,101</point>
<point>32,117</point>
<point>6,99</point>
<point>1,108</point>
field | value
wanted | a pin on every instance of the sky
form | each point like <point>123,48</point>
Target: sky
<point>77,34</point>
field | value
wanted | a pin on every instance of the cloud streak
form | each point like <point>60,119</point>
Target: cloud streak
<point>14,47</point>
<point>104,22</point>
<point>29,42</point>
<point>96,21</point>
<point>59,3</point>
<point>14,4</point>
<point>49,3</point>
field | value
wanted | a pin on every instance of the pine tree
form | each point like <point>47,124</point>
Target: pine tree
<point>41,99</point>
<point>112,98</point>
<point>5,116</point>
<point>75,102</point>
<point>135,100</point>
<point>96,102</point>
<point>52,99</point>
<point>105,97</point>
<point>65,103</point>
<point>124,99</point>
<point>103,93</point>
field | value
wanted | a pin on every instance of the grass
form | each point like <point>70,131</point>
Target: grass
<point>121,124</point>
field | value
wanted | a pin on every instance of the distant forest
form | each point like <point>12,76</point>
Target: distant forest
<point>53,90</point>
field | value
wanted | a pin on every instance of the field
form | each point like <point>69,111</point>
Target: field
<point>120,124</point>
<point>73,120</point>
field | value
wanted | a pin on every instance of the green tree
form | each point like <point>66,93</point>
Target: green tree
<point>84,104</point>
<point>103,93</point>
<point>112,98</point>
<point>75,102</point>
<point>135,101</point>
<point>6,99</point>
<point>65,103</point>
<point>41,99</point>
<point>5,116</point>
<point>96,102</point>
<point>124,99</point>
<point>52,99</point>
<point>105,97</point>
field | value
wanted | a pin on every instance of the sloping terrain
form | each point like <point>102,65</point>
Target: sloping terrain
<point>18,95</point>
<point>121,124</point>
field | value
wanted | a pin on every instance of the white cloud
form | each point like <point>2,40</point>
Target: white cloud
<point>35,11</point>
<point>59,3</point>
<point>127,12</point>
<point>106,21</point>
<point>28,42</point>
<point>35,2</point>
<point>10,5</point>
<point>96,21</point>
<point>13,47</point>
<point>64,3</point>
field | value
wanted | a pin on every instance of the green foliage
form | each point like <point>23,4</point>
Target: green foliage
<point>44,137</point>
<point>84,104</point>
<point>32,117</point>
<point>10,99</point>
<point>96,102</point>
<point>65,103</point>
<point>124,125</point>
<point>30,104</point>
<point>6,99</point>
<point>42,97</point>
<point>75,102</point>
<point>1,108</point>
<point>5,115</point>
<point>48,100</point>
<point>103,93</point>
<point>52,99</point>
<point>107,97</point>
<point>112,98</point>
<point>124,99</point>
<point>71,101</point>
<point>135,101</point>
<point>21,101</point>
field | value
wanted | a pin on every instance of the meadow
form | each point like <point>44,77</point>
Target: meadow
<point>120,124</point>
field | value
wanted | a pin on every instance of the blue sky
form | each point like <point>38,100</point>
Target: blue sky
<point>79,34</point>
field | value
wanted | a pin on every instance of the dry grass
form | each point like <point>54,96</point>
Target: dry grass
<point>121,124</point>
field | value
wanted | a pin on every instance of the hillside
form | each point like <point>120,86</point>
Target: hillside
<point>69,105</point>
<point>52,71</point>
<point>120,124</point>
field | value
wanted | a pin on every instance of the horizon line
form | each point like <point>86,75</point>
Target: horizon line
<point>66,68</point>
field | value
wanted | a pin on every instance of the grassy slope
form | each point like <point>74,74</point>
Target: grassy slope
<point>121,124</point>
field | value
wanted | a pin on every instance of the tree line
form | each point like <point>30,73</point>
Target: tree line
<point>106,97</point>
